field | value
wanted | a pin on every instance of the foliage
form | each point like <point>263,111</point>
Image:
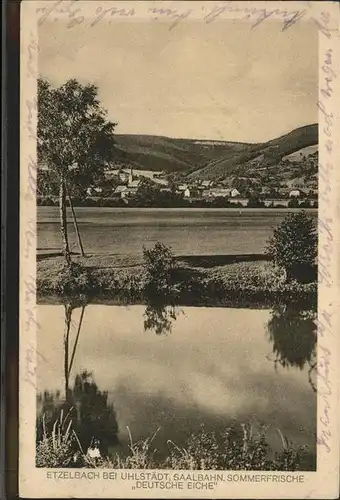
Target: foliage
<point>159,317</point>
<point>293,203</point>
<point>141,455</point>
<point>74,134</point>
<point>294,246</point>
<point>159,264</point>
<point>47,183</point>
<point>241,283</point>
<point>232,451</point>
<point>255,202</point>
<point>158,199</point>
<point>55,446</point>
<point>73,278</point>
<point>46,201</point>
<point>229,450</point>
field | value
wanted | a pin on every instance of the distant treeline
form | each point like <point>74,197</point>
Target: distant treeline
<point>93,201</point>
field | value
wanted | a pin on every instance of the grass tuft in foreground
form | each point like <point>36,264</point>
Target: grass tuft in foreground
<point>55,448</point>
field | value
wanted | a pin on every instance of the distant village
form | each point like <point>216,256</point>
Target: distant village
<point>124,185</point>
<point>130,182</point>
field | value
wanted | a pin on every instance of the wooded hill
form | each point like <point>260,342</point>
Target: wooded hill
<point>203,159</point>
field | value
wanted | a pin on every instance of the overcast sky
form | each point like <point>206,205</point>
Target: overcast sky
<point>210,81</point>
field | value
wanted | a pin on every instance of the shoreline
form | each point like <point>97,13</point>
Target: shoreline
<point>206,281</point>
<point>187,207</point>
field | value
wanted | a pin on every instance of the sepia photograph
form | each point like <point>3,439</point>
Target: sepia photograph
<point>177,215</point>
<point>177,193</point>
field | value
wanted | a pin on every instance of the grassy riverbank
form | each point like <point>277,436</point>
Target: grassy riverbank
<point>209,280</point>
<point>236,448</point>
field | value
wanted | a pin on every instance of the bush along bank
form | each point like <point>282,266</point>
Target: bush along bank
<point>236,448</point>
<point>238,285</point>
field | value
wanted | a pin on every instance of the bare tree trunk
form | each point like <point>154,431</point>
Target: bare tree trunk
<point>76,227</point>
<point>63,220</point>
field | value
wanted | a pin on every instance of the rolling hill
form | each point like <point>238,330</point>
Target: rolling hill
<point>203,159</point>
<point>172,155</point>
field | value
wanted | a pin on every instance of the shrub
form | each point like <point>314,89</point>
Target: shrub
<point>158,265</point>
<point>73,279</point>
<point>231,450</point>
<point>45,201</point>
<point>255,202</point>
<point>293,203</point>
<point>294,246</point>
<point>90,202</point>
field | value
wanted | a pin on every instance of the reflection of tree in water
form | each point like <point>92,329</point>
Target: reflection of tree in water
<point>160,313</point>
<point>159,318</point>
<point>293,333</point>
<point>68,360</point>
<point>93,417</point>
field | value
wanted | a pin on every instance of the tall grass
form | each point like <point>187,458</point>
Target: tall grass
<point>229,450</point>
<point>141,455</point>
<point>56,449</point>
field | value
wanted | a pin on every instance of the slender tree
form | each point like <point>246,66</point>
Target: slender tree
<point>75,139</point>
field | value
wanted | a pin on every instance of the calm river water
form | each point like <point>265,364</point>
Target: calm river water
<point>188,231</point>
<point>205,365</point>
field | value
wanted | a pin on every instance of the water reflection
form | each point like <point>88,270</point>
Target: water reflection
<point>69,307</point>
<point>159,316</point>
<point>94,419</point>
<point>293,333</point>
<point>161,310</point>
<point>110,343</point>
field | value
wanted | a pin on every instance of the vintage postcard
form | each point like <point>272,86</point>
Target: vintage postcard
<point>179,261</point>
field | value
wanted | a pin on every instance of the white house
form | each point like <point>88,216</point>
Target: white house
<point>121,190</point>
<point>234,193</point>
<point>216,193</point>
<point>295,193</point>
